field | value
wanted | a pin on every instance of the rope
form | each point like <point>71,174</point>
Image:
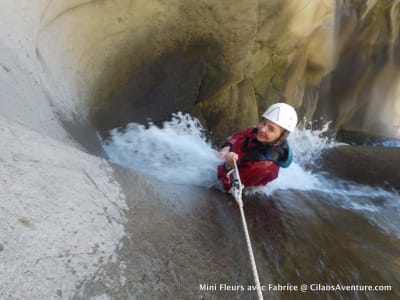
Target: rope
<point>237,194</point>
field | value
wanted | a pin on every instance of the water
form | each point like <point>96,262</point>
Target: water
<point>306,226</point>
<point>387,143</point>
<point>179,153</point>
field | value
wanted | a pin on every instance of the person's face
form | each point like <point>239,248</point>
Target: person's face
<point>268,131</point>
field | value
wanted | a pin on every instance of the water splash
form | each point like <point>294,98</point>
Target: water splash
<point>176,153</point>
<point>309,142</point>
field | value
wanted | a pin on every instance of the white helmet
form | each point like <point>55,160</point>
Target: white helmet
<point>282,114</point>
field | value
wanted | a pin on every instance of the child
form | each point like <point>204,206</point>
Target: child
<point>259,151</point>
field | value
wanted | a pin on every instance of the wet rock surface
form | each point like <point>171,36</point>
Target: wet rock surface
<point>377,166</point>
<point>177,239</point>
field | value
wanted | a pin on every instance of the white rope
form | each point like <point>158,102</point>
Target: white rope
<point>237,194</point>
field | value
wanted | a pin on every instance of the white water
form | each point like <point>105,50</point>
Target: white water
<point>178,153</point>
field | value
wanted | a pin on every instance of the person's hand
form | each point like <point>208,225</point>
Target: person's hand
<point>229,158</point>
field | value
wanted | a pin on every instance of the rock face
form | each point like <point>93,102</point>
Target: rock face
<point>362,92</point>
<point>62,215</point>
<point>223,61</point>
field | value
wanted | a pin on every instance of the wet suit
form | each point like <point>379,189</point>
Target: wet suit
<point>258,163</point>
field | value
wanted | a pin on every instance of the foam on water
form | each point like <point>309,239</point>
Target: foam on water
<point>179,153</point>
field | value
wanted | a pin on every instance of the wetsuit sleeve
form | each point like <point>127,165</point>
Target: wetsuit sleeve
<point>237,137</point>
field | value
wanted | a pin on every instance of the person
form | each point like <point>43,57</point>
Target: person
<point>259,151</point>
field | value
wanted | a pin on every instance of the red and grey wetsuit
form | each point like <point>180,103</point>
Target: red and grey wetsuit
<point>258,163</point>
